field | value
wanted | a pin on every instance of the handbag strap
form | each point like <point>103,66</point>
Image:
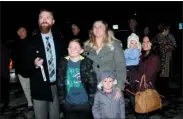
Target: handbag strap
<point>145,83</point>
<point>143,79</point>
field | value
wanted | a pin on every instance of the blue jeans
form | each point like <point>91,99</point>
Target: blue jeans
<point>79,111</point>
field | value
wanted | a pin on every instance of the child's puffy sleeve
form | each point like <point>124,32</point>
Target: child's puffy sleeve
<point>97,114</point>
<point>122,108</point>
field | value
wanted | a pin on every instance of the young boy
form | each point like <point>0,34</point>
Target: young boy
<point>77,83</point>
<point>105,105</point>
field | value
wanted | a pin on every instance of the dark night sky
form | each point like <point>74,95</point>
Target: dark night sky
<point>13,14</point>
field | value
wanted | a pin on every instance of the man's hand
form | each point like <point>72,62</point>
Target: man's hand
<point>38,62</point>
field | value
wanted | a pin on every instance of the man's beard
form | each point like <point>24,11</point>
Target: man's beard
<point>45,29</point>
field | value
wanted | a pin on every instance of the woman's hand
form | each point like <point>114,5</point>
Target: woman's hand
<point>118,94</point>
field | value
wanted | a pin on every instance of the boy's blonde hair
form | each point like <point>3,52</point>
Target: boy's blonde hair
<point>77,40</point>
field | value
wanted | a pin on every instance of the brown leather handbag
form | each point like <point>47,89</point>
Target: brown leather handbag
<point>148,100</point>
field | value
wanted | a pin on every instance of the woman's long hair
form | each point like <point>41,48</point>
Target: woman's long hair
<point>107,40</point>
<point>155,48</point>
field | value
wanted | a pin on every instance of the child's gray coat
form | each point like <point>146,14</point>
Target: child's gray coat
<point>106,107</point>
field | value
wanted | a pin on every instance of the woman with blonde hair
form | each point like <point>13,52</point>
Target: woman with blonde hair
<point>107,54</point>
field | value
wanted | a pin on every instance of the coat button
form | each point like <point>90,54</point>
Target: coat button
<point>98,66</point>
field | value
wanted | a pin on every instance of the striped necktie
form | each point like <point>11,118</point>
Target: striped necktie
<point>50,58</point>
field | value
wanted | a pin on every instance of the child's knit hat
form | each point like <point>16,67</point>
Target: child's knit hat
<point>106,74</point>
<point>133,36</point>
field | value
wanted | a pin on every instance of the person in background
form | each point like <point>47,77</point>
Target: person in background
<point>5,78</point>
<point>21,45</point>
<point>166,48</point>
<point>132,28</point>
<point>77,33</point>
<point>146,31</point>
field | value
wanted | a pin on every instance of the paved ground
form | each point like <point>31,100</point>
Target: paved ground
<point>173,107</point>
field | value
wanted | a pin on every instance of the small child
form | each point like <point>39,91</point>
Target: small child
<point>132,56</point>
<point>76,82</point>
<point>105,105</point>
<point>133,51</point>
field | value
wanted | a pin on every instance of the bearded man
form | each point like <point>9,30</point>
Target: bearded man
<point>42,56</point>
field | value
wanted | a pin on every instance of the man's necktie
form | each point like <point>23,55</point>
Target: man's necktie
<point>50,58</point>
